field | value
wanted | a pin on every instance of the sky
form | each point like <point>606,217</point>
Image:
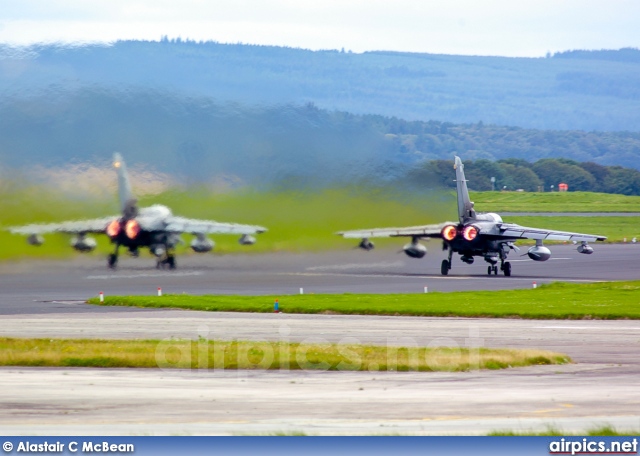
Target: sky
<point>514,28</point>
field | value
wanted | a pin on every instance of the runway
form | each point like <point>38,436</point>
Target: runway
<point>43,299</point>
<point>30,286</point>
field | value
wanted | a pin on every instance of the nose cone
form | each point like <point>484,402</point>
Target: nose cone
<point>457,162</point>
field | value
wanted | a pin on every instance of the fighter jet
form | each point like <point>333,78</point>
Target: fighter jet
<point>475,235</point>
<point>154,227</point>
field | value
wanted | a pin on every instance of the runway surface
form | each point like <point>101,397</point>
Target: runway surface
<point>24,286</point>
<point>43,299</point>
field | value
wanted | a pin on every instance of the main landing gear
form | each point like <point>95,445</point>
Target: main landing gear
<point>169,261</point>
<point>112,259</point>
<point>506,268</point>
<point>446,264</point>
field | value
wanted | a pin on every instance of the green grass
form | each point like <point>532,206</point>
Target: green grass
<point>218,354</point>
<point>554,202</point>
<point>553,431</point>
<point>616,229</point>
<point>608,300</point>
<point>299,221</point>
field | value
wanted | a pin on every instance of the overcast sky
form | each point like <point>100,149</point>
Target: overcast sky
<point>467,27</point>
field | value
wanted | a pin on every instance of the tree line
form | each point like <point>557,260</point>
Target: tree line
<point>543,175</point>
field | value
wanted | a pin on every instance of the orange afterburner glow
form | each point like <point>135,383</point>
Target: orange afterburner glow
<point>132,229</point>
<point>449,232</point>
<point>470,232</point>
<point>113,229</point>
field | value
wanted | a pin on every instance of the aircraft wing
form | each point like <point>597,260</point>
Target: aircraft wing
<point>70,227</point>
<point>409,231</point>
<point>193,226</point>
<point>513,231</point>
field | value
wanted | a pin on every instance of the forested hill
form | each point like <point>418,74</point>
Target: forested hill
<point>201,140</point>
<point>578,90</point>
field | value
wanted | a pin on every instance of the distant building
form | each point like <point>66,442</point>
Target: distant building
<point>562,187</point>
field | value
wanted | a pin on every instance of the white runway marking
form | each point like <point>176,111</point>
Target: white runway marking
<point>341,267</point>
<point>422,277</point>
<point>148,274</point>
<point>596,328</point>
<point>513,261</point>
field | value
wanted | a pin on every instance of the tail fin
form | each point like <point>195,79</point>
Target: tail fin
<point>128,204</point>
<point>465,205</point>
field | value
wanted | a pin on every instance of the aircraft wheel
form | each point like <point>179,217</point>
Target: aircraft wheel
<point>507,269</point>
<point>112,260</point>
<point>444,268</point>
<point>489,270</point>
<point>495,270</point>
<point>171,262</point>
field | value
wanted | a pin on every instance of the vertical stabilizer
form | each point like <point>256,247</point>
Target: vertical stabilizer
<point>465,205</point>
<point>128,204</point>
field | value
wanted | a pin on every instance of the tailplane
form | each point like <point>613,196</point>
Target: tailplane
<point>465,205</point>
<point>128,204</point>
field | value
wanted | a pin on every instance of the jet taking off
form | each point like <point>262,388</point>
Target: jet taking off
<point>475,234</point>
<point>154,227</point>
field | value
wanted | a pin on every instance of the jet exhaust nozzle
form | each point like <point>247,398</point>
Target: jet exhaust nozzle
<point>539,253</point>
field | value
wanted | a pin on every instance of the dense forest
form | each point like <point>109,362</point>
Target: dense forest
<point>264,115</point>
<point>577,90</point>
<point>199,140</point>
<point>543,175</point>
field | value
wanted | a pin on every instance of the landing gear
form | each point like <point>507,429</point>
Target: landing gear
<point>444,268</point>
<point>112,259</point>
<point>168,262</point>
<point>493,269</point>
<point>446,264</point>
<point>506,268</point>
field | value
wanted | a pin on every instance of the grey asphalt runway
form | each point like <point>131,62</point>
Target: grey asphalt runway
<point>30,286</point>
<point>43,299</point>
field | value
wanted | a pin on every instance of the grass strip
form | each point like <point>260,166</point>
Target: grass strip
<point>217,354</point>
<point>600,431</point>
<point>302,221</point>
<point>558,300</point>
<point>554,202</point>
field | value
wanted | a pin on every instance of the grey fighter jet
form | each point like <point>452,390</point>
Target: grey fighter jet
<point>154,227</point>
<point>475,234</point>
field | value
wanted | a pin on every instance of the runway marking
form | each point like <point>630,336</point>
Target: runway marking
<point>422,277</point>
<point>597,328</point>
<point>148,274</point>
<point>514,261</point>
<point>395,264</point>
